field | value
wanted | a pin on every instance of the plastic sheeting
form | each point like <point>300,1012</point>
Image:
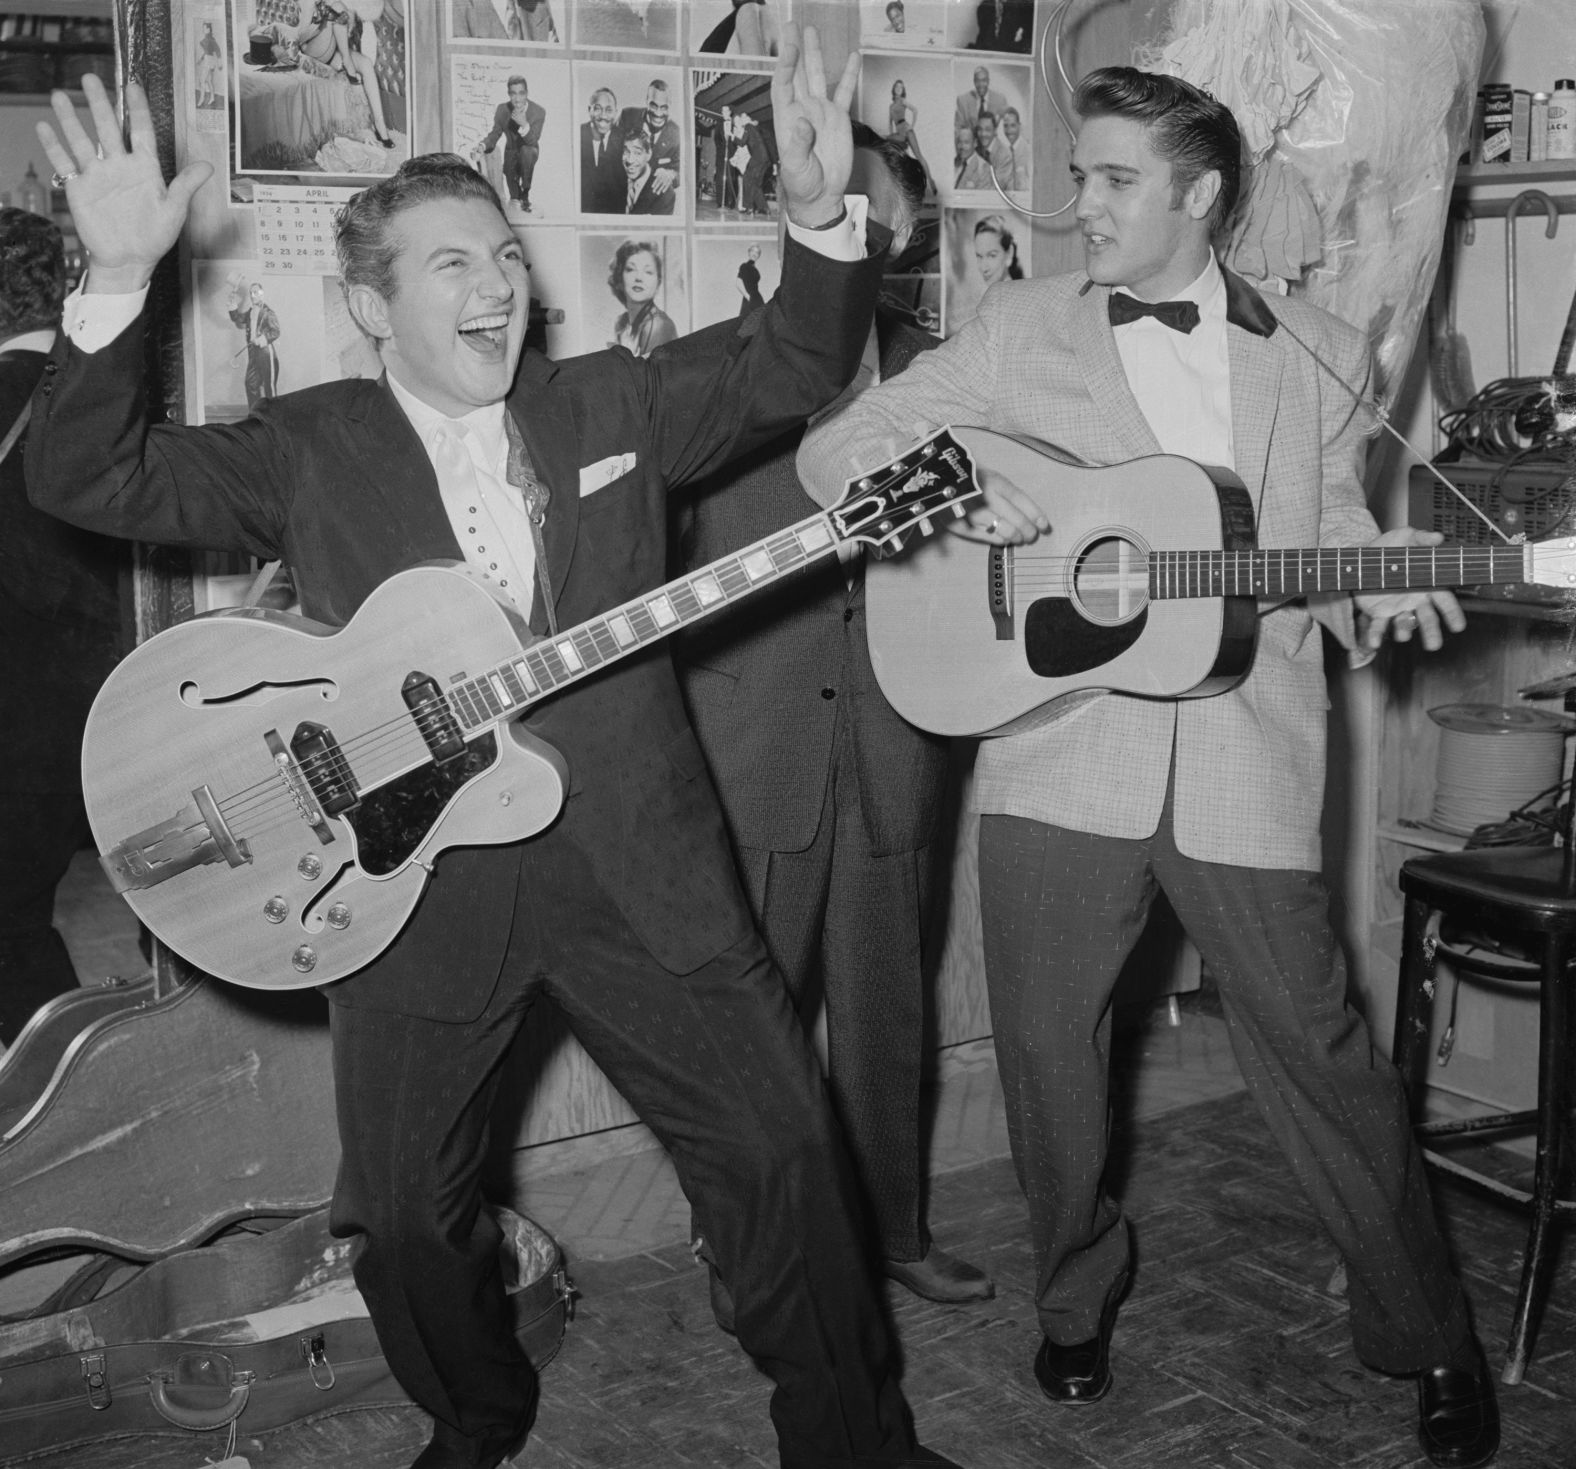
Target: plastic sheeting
<point>1353,114</point>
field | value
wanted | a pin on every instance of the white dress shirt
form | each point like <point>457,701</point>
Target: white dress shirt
<point>1182,380</point>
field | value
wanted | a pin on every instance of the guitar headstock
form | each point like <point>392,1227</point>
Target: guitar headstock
<point>930,479</point>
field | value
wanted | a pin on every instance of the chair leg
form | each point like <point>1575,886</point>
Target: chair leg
<point>1554,1102</point>
<point>1413,1002</point>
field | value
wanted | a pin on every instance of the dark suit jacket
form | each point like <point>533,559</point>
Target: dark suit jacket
<point>60,615</point>
<point>753,676</point>
<point>602,186</point>
<point>664,144</point>
<point>504,125</point>
<point>335,481</point>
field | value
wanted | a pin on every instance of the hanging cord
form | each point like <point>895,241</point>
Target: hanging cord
<point>1050,45</point>
<point>1381,418</point>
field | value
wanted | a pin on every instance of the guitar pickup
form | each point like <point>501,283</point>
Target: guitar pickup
<point>998,591</point>
<point>194,837</point>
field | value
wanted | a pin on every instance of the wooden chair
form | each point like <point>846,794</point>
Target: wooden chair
<point>1527,896</point>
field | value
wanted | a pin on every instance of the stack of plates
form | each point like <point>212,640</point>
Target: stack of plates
<point>1493,759</point>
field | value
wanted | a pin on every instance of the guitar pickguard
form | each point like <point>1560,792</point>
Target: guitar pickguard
<point>1058,642</point>
<point>393,821</point>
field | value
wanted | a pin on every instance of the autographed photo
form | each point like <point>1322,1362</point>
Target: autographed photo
<point>734,275</point>
<point>257,336</point>
<point>979,248</point>
<point>991,125</point>
<point>321,86</point>
<point>909,100</point>
<point>735,148</point>
<point>510,122</point>
<point>904,25</point>
<point>633,290</point>
<point>630,150</point>
<point>509,22</point>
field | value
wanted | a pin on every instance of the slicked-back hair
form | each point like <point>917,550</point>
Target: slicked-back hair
<point>32,272</point>
<point>905,171</point>
<point>364,235</point>
<point>1187,127</point>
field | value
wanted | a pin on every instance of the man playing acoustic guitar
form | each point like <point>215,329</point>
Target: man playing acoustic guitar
<point>1214,800</point>
<point>627,912</point>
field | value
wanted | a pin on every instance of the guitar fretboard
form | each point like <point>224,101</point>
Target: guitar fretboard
<point>1336,569</point>
<point>552,664</point>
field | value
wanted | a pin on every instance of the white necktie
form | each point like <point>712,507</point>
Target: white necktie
<point>452,459</point>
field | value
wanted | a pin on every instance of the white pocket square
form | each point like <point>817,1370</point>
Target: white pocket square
<point>605,471</point>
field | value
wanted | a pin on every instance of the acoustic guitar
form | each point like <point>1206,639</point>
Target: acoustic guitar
<point>1148,583</point>
<point>270,794</point>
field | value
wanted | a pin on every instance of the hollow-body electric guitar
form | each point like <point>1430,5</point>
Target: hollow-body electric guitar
<point>1147,583</point>
<point>270,794</point>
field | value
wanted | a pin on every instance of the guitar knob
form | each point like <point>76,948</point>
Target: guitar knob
<point>310,867</point>
<point>276,910</point>
<point>304,959</point>
<point>338,916</point>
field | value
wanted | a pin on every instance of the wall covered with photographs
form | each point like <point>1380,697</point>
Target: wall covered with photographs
<point>630,142</point>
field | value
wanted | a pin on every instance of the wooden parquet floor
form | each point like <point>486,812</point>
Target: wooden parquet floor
<point>1230,1352</point>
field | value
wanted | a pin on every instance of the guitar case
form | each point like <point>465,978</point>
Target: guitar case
<point>259,1329</point>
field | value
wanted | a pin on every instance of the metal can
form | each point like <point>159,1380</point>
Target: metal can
<point>1562,119</point>
<point>1498,112</point>
<point>1538,129</point>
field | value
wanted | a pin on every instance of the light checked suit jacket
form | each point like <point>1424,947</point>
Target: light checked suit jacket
<point>1040,359</point>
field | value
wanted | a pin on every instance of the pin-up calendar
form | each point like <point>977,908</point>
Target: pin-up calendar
<point>295,227</point>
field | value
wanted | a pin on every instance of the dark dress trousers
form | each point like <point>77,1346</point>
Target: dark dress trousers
<point>60,634</point>
<point>627,913</point>
<point>832,802</point>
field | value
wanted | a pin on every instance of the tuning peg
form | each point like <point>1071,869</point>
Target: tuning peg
<point>925,527</point>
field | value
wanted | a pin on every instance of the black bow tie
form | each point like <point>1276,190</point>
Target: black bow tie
<point>1180,316</point>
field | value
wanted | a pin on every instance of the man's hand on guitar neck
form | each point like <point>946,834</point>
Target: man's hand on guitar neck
<point>125,215</point>
<point>1426,613</point>
<point>1003,516</point>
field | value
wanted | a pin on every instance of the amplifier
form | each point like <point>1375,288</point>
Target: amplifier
<point>1534,499</point>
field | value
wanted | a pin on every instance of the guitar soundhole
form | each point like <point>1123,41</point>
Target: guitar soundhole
<point>392,822</point>
<point>1058,642</point>
<point>1111,579</point>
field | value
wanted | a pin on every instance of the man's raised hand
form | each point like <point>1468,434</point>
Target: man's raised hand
<point>815,143</point>
<point>125,215</point>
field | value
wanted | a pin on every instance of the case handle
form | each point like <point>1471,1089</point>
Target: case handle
<point>202,1392</point>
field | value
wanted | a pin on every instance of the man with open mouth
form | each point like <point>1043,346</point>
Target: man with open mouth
<point>550,483</point>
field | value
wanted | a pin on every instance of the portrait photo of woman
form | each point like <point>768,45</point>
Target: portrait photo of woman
<point>982,247</point>
<point>635,279</point>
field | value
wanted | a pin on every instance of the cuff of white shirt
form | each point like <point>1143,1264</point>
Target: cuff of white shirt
<point>843,241</point>
<point>93,322</point>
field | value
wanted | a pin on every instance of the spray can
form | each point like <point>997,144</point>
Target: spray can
<point>1562,119</point>
<point>1538,129</point>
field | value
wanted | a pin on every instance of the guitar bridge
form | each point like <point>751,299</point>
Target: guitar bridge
<point>998,591</point>
<point>194,837</point>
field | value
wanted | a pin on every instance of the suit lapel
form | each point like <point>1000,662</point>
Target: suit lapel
<point>397,466</point>
<point>537,407</point>
<point>1094,350</point>
<point>1256,363</point>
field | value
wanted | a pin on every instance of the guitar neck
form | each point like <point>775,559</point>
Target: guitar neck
<point>545,667</point>
<point>1292,573</point>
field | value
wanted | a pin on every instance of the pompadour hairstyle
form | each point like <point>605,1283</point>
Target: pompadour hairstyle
<point>1187,127</point>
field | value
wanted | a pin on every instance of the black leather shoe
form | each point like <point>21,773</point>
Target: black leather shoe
<point>1457,1417</point>
<point>941,1277</point>
<point>1080,1373</point>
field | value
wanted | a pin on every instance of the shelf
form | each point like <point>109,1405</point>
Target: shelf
<point>1412,834</point>
<point>1470,176</point>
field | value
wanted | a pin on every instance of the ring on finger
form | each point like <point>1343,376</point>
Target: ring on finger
<point>990,529</point>
<point>60,180</point>
<point>1406,619</point>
